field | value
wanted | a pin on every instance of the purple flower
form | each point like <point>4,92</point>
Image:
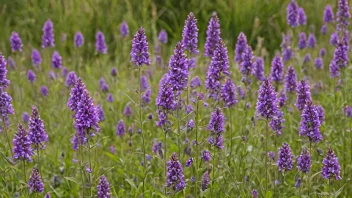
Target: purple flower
<point>206,156</point>
<point>78,40</point>
<point>31,76</point>
<point>287,54</point>
<point>318,62</point>
<point>35,183</point>
<point>101,113</point>
<point>144,83</point>
<point>241,46</point>
<point>113,72</point>
<point>127,111</point>
<point>195,82</point>
<point>56,60</point>
<point>190,124</point>
<point>190,34</point>
<point>292,14</point>
<point>271,155</point>
<point>303,161</point>
<point>348,111</point>
<point>4,83</point>
<point>174,175</point>
<point>219,66</point>
<point>139,53</point>
<point>302,18</point>
<point>36,130</point>
<point>205,180</point>
<point>311,41</point>
<point>100,46</point>
<point>343,15</point>
<point>44,90</point>
<point>247,68</point>
<point>254,193</point>
<point>276,122</point>
<point>334,39</point>
<point>334,69</point>
<point>75,143</point>
<point>322,52</point>
<point>86,117</point>
<point>284,161</point>
<point>217,122</point>
<point>331,167</point>
<point>47,195</point>
<point>165,99</point>
<point>71,79</point>
<point>178,68</point>
<point>228,93</point>
<point>310,123</point>
<point>25,117</point>
<point>16,42</point>
<point>303,94</point>
<point>189,162</point>
<point>75,95</point>
<point>52,75</point>
<point>157,147</point>
<point>162,36</point>
<point>266,103</point>
<point>259,68</point>
<point>213,36</point>
<point>307,58</point>
<point>146,98</point>
<point>36,58</point>
<point>103,188</point>
<point>323,29</point>
<point>48,34</point>
<point>124,31</point>
<point>120,128</point>
<point>282,98</point>
<point>109,98</point>
<point>103,86</point>
<point>328,14</point>
<point>64,72</point>
<point>341,55</point>
<point>22,145</point>
<point>298,183</point>
<point>277,69</point>
<point>6,107</point>
<point>291,80</point>
<point>189,109</point>
<point>191,63</point>
<point>11,62</point>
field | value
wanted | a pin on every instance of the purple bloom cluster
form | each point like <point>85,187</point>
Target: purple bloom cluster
<point>139,52</point>
<point>266,104</point>
<point>56,60</point>
<point>165,98</point>
<point>321,113</point>
<point>348,111</point>
<point>213,36</point>
<point>292,14</point>
<point>36,58</point>
<point>303,95</point>
<point>319,63</point>
<point>4,83</point>
<point>241,46</point>
<point>100,46</point>
<point>195,82</point>
<point>124,31</point>
<point>178,68</point>
<point>190,34</point>
<point>331,166</point>
<point>75,95</point>
<point>205,180</point>
<point>328,14</point>
<point>103,188</point>
<point>22,145</point>
<point>277,69</point>
<point>284,161</point>
<point>217,122</point>
<point>310,123</point>
<point>343,15</point>
<point>304,162</point>
<point>71,79</point>
<point>36,130</point>
<point>44,90</point>
<point>302,41</point>
<point>6,107</point>
<point>341,55</point>
<point>259,68</point>
<point>157,147</point>
<point>291,80</point>
<point>276,122</point>
<point>16,42</point>
<point>48,35</point>
<point>228,93</point>
<point>78,40</point>
<point>174,175</point>
<point>35,183</point>
<point>312,41</point>
<point>162,36</point>
<point>31,76</point>
<point>302,18</point>
<point>127,111</point>
<point>247,68</point>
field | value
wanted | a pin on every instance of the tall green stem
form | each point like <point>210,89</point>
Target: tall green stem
<point>7,135</point>
<point>197,151</point>
<point>213,169</point>
<point>141,125</point>
<point>265,155</point>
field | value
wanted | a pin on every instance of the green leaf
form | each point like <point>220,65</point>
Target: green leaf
<point>72,179</point>
<point>268,194</point>
<point>337,193</point>
<point>131,183</point>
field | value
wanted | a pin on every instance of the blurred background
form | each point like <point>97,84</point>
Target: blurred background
<point>256,18</point>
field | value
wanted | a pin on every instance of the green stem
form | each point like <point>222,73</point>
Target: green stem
<point>141,125</point>
<point>7,135</point>
<point>197,151</point>
<point>165,156</point>
<point>310,152</point>
<point>24,175</point>
<point>265,155</point>
<point>213,169</point>
<point>81,167</point>
<point>90,169</point>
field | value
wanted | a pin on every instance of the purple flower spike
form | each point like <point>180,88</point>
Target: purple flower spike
<point>348,111</point>
<point>292,14</point>
<point>113,72</point>
<point>291,80</point>
<point>11,62</point>
<point>195,82</point>
<point>213,36</point>
<point>174,175</point>
<point>303,95</point>
<point>247,64</point>
<point>328,14</point>
<point>146,98</point>
<point>343,15</point>
<point>217,122</point>
<point>189,162</point>
<point>110,98</point>
<point>103,188</point>
<point>100,46</point>
<point>56,60</point>
<point>284,161</point>
<point>127,111</point>
<point>323,29</point>
<point>124,31</point>
<point>44,90</point>
<point>36,130</point>
<point>178,68</point>
<point>4,83</point>
<point>71,79</point>
<point>228,93</point>
<point>282,98</point>
<point>266,104</point>
<point>31,76</point>
<point>241,46</point>
<point>276,122</point>
<point>101,113</point>
<point>16,42</point>
<point>307,58</point>
<point>334,69</point>
<point>287,54</point>
<point>254,193</point>
<point>302,18</point>
<point>321,113</point>
<point>48,35</point>
<point>6,107</point>
<point>341,55</point>
<point>322,52</point>
<point>78,40</point>
<point>334,39</point>
<point>303,161</point>
<point>190,34</point>
<point>318,62</point>
<point>310,123</point>
<point>162,36</point>
<point>259,68</point>
<point>120,128</point>
<point>139,53</point>
<point>205,180</point>
<point>311,41</point>
<point>277,69</point>
<point>206,156</point>
<point>331,166</point>
<point>36,58</point>
<point>35,183</point>
<point>144,83</point>
<point>75,95</point>
<point>165,98</point>
<point>25,117</point>
<point>22,145</point>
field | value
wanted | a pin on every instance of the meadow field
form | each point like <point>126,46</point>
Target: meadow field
<point>153,98</point>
